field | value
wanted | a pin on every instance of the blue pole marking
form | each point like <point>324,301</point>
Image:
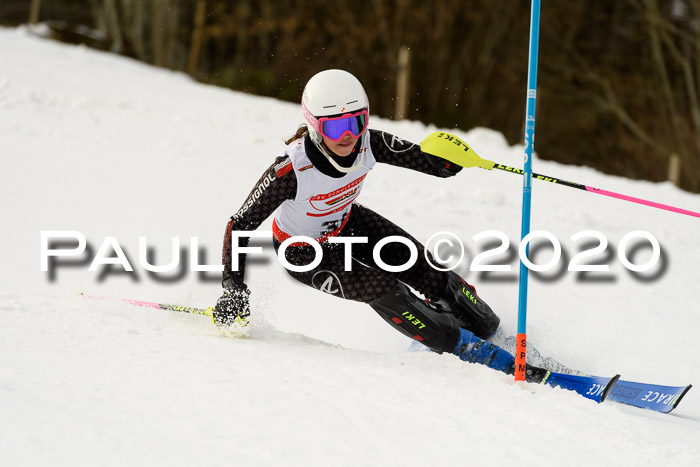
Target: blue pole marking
<point>529,147</point>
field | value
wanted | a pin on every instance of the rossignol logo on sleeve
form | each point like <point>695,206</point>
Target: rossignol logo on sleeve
<point>259,190</point>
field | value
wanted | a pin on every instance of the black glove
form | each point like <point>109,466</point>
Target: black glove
<point>444,167</point>
<point>233,306</point>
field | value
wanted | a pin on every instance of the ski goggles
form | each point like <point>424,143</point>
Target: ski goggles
<point>335,128</point>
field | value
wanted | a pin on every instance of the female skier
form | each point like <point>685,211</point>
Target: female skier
<point>312,188</point>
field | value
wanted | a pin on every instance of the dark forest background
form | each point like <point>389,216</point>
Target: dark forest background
<point>618,79</point>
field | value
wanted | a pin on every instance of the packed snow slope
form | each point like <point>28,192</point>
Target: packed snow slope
<point>109,147</point>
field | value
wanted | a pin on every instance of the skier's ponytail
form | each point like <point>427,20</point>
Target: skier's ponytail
<point>301,132</point>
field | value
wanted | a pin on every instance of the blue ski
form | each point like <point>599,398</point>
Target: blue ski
<point>649,396</point>
<point>595,388</point>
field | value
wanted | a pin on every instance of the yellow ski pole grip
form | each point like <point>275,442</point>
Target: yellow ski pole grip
<point>453,149</point>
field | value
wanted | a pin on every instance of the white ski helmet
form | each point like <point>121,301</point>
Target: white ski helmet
<point>333,93</point>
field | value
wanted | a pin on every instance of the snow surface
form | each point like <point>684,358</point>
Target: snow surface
<point>107,146</point>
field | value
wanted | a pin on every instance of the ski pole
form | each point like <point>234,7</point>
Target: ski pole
<point>455,150</point>
<point>161,306</point>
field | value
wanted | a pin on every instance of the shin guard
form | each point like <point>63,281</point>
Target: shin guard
<point>460,299</point>
<point>416,319</point>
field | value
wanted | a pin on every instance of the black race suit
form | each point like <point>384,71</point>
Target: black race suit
<point>366,281</point>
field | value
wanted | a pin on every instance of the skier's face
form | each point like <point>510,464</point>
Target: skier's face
<point>343,146</point>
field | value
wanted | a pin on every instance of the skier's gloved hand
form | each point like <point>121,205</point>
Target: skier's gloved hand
<point>233,307</point>
<point>444,167</point>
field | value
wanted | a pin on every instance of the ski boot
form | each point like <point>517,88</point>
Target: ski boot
<point>471,349</point>
<point>508,342</point>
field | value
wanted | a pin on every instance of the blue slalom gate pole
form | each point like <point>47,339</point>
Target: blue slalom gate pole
<point>521,348</point>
